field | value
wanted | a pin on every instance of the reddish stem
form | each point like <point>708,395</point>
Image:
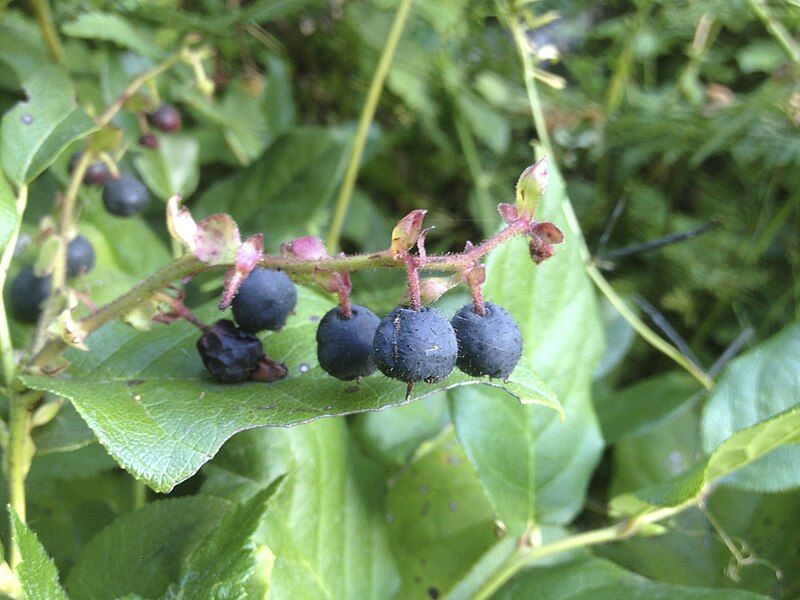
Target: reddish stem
<point>344,304</point>
<point>412,274</point>
<point>477,299</point>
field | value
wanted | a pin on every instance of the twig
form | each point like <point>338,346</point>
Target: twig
<point>649,245</point>
<point>731,351</point>
<point>613,218</point>
<point>666,328</point>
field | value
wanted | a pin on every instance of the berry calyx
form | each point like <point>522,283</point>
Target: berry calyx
<point>27,294</point>
<point>264,300</point>
<point>228,353</point>
<point>80,256</point>
<point>125,196</point>
<point>344,345</point>
<point>413,345</point>
<point>488,344</point>
<point>97,173</point>
<point>166,118</point>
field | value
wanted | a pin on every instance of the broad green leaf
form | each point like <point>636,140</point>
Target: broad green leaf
<point>151,403</point>
<point>754,387</point>
<point>144,552</point>
<point>22,49</point>
<point>36,131</point>
<point>739,450</point>
<point>220,565</point>
<point>598,579</point>
<point>439,519</point>
<point>533,467</point>
<point>290,184</point>
<point>37,572</point>
<point>113,28</point>
<point>65,433</point>
<point>172,168</point>
<point>643,406</point>
<point>327,524</point>
<point>9,218</point>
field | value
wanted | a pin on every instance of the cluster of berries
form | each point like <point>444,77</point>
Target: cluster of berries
<point>408,345</point>
<point>123,196</point>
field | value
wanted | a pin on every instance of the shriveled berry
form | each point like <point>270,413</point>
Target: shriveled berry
<point>166,118</point>
<point>488,344</point>
<point>412,345</point>
<point>344,346</point>
<point>80,256</point>
<point>125,196</point>
<point>27,294</point>
<point>264,300</point>
<point>230,354</point>
<point>97,173</point>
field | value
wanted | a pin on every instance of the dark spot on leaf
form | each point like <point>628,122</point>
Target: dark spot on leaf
<point>417,579</point>
<point>766,522</point>
<point>329,407</point>
<point>424,511</point>
<point>453,460</point>
<point>351,389</point>
<point>423,489</point>
<point>433,593</point>
<point>453,506</point>
<point>389,517</point>
<point>313,318</point>
<point>423,561</point>
<point>26,119</point>
<point>132,382</point>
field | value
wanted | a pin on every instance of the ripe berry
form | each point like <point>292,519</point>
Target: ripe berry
<point>166,118</point>
<point>97,173</point>
<point>148,140</point>
<point>415,345</point>
<point>264,300</point>
<point>125,196</point>
<point>230,354</point>
<point>27,294</point>
<point>488,344</point>
<point>344,346</point>
<point>80,256</point>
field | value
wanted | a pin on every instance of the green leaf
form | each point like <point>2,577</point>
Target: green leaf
<point>151,403</point>
<point>36,131</point>
<point>220,565</point>
<point>173,168</point>
<point>327,524</point>
<point>739,450</point>
<point>144,552</point>
<point>290,184</point>
<point>9,218</point>
<point>754,387</point>
<point>440,520</point>
<point>65,433</point>
<point>534,468</point>
<point>37,572</point>
<point>113,28</point>
<point>598,579</point>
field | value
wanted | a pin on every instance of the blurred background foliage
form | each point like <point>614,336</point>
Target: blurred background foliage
<point>667,116</point>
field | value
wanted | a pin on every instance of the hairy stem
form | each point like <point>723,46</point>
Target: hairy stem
<point>364,122</point>
<point>6,348</point>
<point>650,336</point>
<point>44,16</point>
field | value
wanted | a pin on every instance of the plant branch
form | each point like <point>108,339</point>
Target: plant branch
<point>778,31</point>
<point>18,458</point>
<point>6,348</point>
<point>650,336</point>
<point>364,122</point>
<point>527,555</point>
<point>44,16</point>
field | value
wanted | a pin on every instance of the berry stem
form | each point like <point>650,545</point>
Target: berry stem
<point>412,276</point>
<point>477,299</point>
<point>344,304</point>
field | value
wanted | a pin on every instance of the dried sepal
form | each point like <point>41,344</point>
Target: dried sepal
<point>269,370</point>
<point>433,288</point>
<point>475,276</point>
<point>247,258</point>
<point>305,248</point>
<point>406,232</point>
<point>181,224</point>
<point>217,240</point>
<point>543,237</point>
<point>508,212</point>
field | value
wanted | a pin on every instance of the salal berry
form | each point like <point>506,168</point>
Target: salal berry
<point>80,256</point>
<point>97,173</point>
<point>230,354</point>
<point>166,118</point>
<point>344,345</point>
<point>264,300</point>
<point>27,294</point>
<point>125,196</point>
<point>488,344</point>
<point>413,345</point>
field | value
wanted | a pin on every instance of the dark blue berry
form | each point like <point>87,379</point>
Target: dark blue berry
<point>166,118</point>
<point>80,256</point>
<point>264,300</point>
<point>125,196</point>
<point>344,346</point>
<point>230,354</point>
<point>413,345</point>
<point>27,294</point>
<point>97,173</point>
<point>488,344</point>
